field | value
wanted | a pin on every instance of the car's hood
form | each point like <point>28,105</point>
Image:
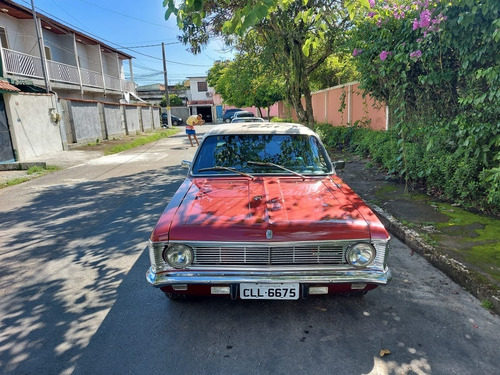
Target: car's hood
<point>240,209</point>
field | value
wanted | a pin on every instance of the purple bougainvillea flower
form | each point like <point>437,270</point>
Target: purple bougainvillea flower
<point>371,14</point>
<point>383,55</point>
<point>425,19</point>
<point>416,55</point>
<point>356,51</point>
<point>415,24</point>
<point>372,3</point>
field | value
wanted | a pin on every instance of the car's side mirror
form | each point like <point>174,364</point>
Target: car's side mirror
<point>185,164</point>
<point>339,165</point>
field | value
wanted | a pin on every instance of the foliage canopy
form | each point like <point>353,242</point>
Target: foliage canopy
<point>297,36</point>
<point>437,65</point>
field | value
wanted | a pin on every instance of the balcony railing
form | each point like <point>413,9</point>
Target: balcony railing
<point>128,86</point>
<point>63,72</point>
<point>31,66</point>
<point>112,82</point>
<point>91,78</point>
<point>22,64</point>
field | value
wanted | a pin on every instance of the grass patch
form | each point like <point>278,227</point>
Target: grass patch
<point>30,174</point>
<point>41,170</point>
<point>479,241</point>
<point>14,181</point>
<point>386,190</point>
<point>487,304</point>
<point>141,140</point>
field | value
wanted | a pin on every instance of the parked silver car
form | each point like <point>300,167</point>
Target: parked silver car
<point>242,114</point>
<point>247,119</point>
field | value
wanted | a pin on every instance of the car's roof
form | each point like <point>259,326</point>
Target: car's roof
<point>249,119</point>
<point>243,114</point>
<point>259,128</point>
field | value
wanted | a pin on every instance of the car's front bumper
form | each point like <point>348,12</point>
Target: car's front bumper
<point>211,277</point>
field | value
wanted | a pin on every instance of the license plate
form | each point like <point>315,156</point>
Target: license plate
<point>269,291</point>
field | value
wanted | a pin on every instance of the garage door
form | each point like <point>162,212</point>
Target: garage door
<point>6,152</point>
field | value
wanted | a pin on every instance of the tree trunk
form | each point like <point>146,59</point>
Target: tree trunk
<point>299,86</point>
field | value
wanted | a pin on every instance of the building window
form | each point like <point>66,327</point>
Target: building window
<point>3,38</point>
<point>202,86</point>
<point>48,53</point>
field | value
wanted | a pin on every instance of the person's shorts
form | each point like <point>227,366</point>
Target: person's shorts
<point>190,131</point>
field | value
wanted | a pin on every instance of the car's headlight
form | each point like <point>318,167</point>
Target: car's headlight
<point>178,255</point>
<point>360,255</point>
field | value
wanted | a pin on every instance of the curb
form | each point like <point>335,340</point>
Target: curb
<point>458,272</point>
<point>21,166</point>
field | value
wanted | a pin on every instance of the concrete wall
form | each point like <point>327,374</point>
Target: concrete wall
<point>342,106</point>
<point>85,117</point>
<point>156,117</point>
<point>182,112</point>
<point>87,121</point>
<point>113,120</point>
<point>132,119</point>
<point>147,119</point>
<point>32,130</point>
<point>35,132</point>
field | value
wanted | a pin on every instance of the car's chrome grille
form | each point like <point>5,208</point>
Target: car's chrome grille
<point>270,255</point>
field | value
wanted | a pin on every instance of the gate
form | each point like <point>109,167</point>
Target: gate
<point>6,152</point>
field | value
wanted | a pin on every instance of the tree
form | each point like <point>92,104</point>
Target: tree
<point>175,101</point>
<point>437,65</point>
<point>245,82</point>
<point>298,35</point>
<point>336,70</point>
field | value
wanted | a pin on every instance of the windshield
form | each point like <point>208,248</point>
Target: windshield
<point>262,154</point>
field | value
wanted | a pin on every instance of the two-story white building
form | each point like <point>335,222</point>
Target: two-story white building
<point>201,98</point>
<point>70,63</point>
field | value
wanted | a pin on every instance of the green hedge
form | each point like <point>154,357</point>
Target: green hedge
<point>445,172</point>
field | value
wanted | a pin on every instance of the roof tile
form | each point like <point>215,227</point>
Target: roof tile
<point>6,86</point>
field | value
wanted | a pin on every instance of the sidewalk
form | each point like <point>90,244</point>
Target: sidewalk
<point>62,159</point>
<point>464,245</point>
<point>67,159</point>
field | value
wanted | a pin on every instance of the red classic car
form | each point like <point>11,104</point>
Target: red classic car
<point>262,215</point>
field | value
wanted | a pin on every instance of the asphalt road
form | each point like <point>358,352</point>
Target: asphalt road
<point>74,298</point>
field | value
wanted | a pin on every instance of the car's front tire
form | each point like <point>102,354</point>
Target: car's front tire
<point>228,120</point>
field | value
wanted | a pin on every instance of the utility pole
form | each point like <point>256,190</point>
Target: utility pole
<point>43,59</point>
<point>167,97</point>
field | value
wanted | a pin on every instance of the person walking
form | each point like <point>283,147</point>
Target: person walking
<point>191,122</point>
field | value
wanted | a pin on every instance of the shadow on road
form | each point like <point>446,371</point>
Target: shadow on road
<point>75,300</point>
<point>63,258</point>
<point>145,332</point>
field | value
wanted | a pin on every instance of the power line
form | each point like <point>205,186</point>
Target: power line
<point>154,45</point>
<point>81,30</point>
<point>116,44</point>
<point>126,15</point>
<point>56,4</point>
<point>151,41</point>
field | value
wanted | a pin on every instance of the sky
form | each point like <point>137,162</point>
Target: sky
<point>136,27</point>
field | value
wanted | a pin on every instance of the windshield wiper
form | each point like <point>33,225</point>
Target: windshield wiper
<point>220,168</point>
<point>276,166</point>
